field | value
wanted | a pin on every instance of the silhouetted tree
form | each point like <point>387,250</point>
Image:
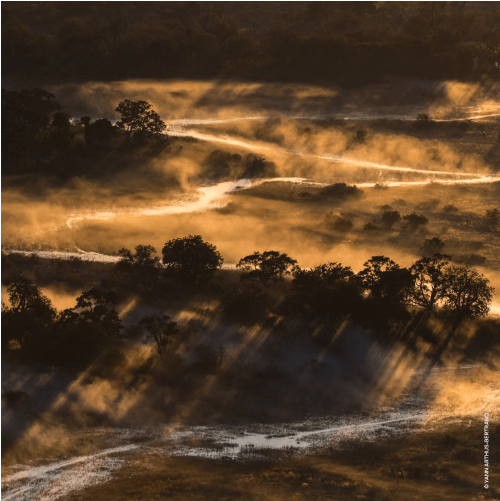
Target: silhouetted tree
<point>339,223</point>
<point>191,259</point>
<point>371,226</point>
<point>142,267</point>
<point>138,120</point>
<point>329,291</point>
<point>92,307</point>
<point>160,330</point>
<point>25,114</point>
<point>492,217</point>
<point>390,218</point>
<point>467,292</point>
<point>386,282</point>
<point>414,220</point>
<point>99,132</point>
<point>268,266</point>
<point>29,317</point>
<point>340,191</point>
<point>432,246</point>
<point>431,280</point>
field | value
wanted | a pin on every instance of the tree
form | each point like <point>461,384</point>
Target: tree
<point>385,280</point>
<point>30,315</point>
<point>339,223</point>
<point>143,267</point>
<point>160,331</point>
<point>92,308</point>
<point>191,259</point>
<point>414,220</point>
<point>467,292</point>
<point>99,132</point>
<point>25,114</point>
<point>25,296</point>
<point>340,191</point>
<point>138,120</point>
<point>390,218</point>
<point>268,266</point>
<point>325,290</point>
<point>432,246</point>
<point>371,226</point>
<point>492,217</point>
<point>431,280</point>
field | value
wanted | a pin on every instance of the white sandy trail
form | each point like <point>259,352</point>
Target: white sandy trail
<point>462,119</point>
<point>331,158</point>
<point>66,255</point>
<point>50,479</point>
<point>209,197</point>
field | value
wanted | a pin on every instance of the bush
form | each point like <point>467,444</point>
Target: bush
<point>415,220</point>
<point>391,217</point>
<point>470,259</point>
<point>432,246</point>
<point>339,223</point>
<point>371,226</point>
<point>340,190</point>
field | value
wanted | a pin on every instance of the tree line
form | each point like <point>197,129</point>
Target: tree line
<point>383,297</point>
<point>38,135</point>
<point>298,41</point>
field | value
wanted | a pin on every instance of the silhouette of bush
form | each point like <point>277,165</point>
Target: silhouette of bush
<point>470,259</point>
<point>340,190</point>
<point>414,220</point>
<point>371,226</point>
<point>390,218</point>
<point>339,223</point>
<point>432,246</point>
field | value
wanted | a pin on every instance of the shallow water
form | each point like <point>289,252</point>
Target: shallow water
<point>413,412</point>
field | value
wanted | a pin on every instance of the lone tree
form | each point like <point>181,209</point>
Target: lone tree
<point>265,267</point>
<point>138,120</point>
<point>191,259</point>
<point>390,218</point>
<point>492,217</point>
<point>431,280</point>
<point>467,292</point>
<point>414,220</point>
<point>432,246</point>
<point>160,331</point>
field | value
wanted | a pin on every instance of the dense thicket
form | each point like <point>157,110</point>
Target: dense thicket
<point>298,41</point>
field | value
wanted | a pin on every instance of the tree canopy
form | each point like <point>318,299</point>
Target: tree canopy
<point>191,258</point>
<point>138,120</point>
<point>265,267</point>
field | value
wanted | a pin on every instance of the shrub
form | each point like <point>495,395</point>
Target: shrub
<point>432,246</point>
<point>415,220</point>
<point>371,226</point>
<point>340,190</point>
